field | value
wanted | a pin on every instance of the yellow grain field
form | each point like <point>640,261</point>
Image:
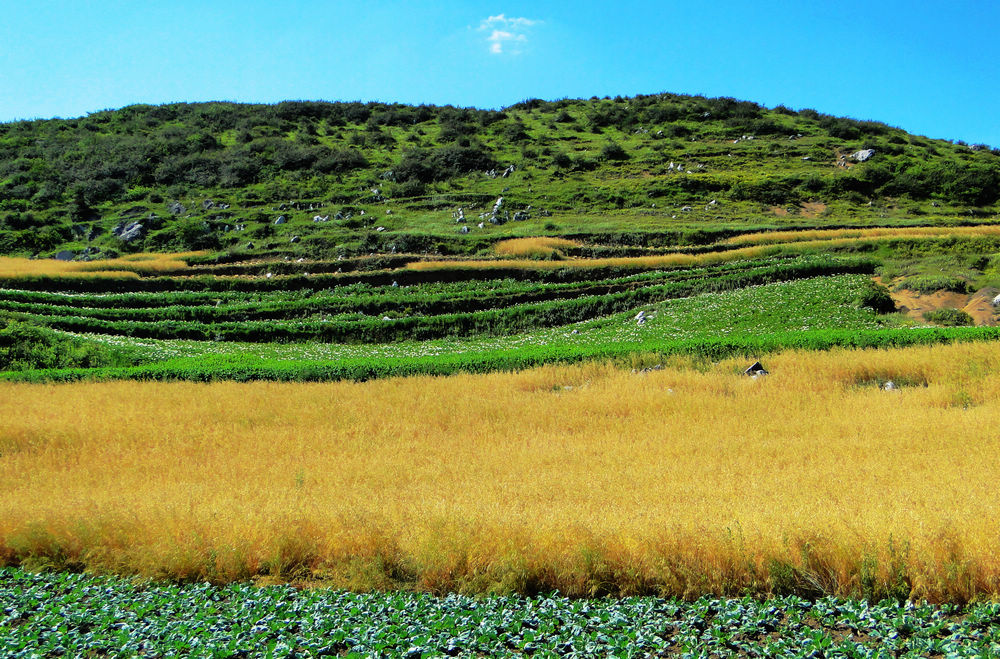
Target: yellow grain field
<point>126,267</point>
<point>585,479</point>
<point>774,237</point>
<point>533,247</point>
<point>636,262</point>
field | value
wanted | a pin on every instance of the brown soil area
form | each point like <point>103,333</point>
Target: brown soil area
<point>813,209</point>
<point>809,209</point>
<point>979,305</point>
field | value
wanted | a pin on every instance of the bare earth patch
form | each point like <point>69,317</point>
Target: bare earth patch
<point>979,305</point>
<point>813,209</point>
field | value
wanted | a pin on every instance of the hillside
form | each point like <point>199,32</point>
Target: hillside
<point>344,179</point>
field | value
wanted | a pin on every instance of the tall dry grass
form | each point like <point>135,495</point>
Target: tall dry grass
<point>747,246</point>
<point>776,237</point>
<point>126,267</point>
<point>533,247</point>
<point>636,262</point>
<point>584,479</point>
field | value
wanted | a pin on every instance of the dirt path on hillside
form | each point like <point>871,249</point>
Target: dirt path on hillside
<point>979,305</point>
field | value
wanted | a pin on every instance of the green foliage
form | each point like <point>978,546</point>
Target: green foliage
<point>374,315</point>
<point>934,283</point>
<point>25,346</point>
<point>875,297</point>
<point>79,615</point>
<point>948,317</point>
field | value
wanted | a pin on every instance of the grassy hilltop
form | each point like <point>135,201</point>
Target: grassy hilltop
<point>649,170</point>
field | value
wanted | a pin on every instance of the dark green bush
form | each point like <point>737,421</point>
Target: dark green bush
<point>24,346</point>
<point>949,317</point>
<point>876,297</point>
<point>613,151</point>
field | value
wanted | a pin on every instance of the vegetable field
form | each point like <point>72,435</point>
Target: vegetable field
<point>74,615</point>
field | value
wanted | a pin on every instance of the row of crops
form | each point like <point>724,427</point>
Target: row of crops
<point>77,615</point>
<point>367,313</point>
<point>814,314</point>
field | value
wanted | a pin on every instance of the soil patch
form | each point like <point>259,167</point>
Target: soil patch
<point>979,305</point>
<point>813,209</point>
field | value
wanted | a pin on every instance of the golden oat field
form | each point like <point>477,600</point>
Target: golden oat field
<point>584,479</point>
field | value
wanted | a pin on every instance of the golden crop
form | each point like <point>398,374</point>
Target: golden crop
<point>637,262</point>
<point>533,247</point>
<point>126,267</point>
<point>773,237</point>
<point>587,479</point>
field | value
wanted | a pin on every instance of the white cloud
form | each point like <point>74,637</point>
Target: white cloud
<point>506,35</point>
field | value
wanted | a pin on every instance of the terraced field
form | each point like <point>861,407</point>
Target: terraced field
<point>596,434</point>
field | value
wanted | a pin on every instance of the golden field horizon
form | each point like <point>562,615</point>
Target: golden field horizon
<point>588,479</point>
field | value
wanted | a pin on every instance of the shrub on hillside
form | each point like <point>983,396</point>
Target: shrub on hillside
<point>875,297</point>
<point>24,346</point>
<point>934,283</point>
<point>613,151</point>
<point>949,317</point>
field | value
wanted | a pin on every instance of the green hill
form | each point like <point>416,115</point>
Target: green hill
<point>353,178</point>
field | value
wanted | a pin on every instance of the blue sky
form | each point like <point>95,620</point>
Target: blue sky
<point>931,68</point>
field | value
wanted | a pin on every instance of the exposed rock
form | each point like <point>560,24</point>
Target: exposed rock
<point>380,229</point>
<point>207,204</point>
<point>295,239</point>
<point>862,155</point>
<point>281,220</point>
<point>64,255</point>
<point>996,301</point>
<point>889,386</point>
<point>250,246</point>
<point>464,229</point>
<point>756,370</point>
<point>686,209</point>
<point>128,232</point>
<point>177,208</point>
<point>395,284</point>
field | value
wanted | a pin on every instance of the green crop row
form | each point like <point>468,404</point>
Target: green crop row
<point>81,616</point>
<point>244,368</point>
<point>495,321</point>
<point>428,299</point>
